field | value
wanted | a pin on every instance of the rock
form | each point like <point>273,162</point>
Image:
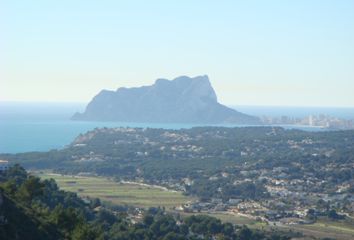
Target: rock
<point>182,100</point>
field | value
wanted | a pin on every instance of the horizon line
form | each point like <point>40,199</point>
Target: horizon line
<point>228,105</point>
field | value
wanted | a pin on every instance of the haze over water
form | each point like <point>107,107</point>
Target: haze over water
<point>45,126</point>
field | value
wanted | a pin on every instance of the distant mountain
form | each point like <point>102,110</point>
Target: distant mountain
<point>182,100</point>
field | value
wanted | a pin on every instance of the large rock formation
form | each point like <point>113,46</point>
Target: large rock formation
<point>182,100</point>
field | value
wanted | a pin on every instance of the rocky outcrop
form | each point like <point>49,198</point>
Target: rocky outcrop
<point>182,100</point>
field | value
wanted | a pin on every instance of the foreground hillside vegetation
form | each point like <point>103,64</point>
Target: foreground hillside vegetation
<point>34,209</point>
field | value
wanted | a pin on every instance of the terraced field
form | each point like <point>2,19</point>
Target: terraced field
<point>135,194</point>
<point>118,193</point>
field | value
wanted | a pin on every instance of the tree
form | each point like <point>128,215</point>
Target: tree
<point>106,216</point>
<point>31,188</point>
<point>148,219</point>
<point>85,232</point>
<point>245,233</point>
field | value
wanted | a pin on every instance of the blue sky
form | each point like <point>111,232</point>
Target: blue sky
<point>297,53</point>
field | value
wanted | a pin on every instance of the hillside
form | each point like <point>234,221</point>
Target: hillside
<point>268,173</point>
<point>35,209</point>
<point>212,158</point>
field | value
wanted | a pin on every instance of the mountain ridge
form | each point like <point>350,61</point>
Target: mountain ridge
<point>181,100</point>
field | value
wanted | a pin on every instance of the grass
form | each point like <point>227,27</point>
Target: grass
<point>231,218</point>
<point>144,196</point>
<point>118,193</point>
<point>339,227</point>
<point>327,228</point>
<point>133,194</point>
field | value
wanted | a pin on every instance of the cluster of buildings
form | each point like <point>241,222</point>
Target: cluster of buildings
<point>289,203</point>
<point>4,165</point>
<point>323,121</point>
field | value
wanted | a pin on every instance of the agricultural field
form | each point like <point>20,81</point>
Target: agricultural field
<point>231,218</point>
<point>323,228</point>
<point>132,194</point>
<point>118,193</point>
<point>135,194</point>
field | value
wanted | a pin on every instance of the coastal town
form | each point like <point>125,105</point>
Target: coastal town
<point>270,174</point>
<point>320,121</point>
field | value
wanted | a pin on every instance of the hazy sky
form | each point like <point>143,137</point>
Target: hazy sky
<point>286,52</point>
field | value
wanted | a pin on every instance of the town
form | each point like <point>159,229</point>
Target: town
<point>265,173</point>
<point>321,121</point>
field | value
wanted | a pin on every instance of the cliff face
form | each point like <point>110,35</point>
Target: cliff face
<point>182,100</point>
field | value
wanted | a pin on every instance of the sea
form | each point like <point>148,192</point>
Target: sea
<point>39,126</point>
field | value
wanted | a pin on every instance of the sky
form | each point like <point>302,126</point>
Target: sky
<point>284,53</point>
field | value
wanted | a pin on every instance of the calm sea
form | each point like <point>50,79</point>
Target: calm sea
<point>44,126</point>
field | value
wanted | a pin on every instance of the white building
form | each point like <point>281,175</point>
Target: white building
<point>4,165</point>
<point>311,122</point>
